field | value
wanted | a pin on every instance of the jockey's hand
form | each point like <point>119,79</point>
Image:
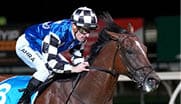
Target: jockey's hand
<point>80,67</point>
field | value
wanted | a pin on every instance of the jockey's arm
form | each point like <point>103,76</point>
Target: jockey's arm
<point>54,62</point>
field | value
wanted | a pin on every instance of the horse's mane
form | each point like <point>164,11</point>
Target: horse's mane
<point>103,37</point>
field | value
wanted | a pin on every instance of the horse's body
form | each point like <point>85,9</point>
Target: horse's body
<point>114,53</point>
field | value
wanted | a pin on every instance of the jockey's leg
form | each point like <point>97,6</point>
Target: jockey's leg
<point>35,60</point>
<point>37,79</point>
<point>31,88</point>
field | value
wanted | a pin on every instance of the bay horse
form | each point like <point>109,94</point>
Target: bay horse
<point>116,51</point>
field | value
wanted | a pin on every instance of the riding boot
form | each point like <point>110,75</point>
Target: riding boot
<point>30,89</point>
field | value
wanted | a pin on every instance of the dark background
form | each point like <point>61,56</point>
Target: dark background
<point>35,11</point>
<point>43,10</point>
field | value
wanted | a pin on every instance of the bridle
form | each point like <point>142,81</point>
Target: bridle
<point>136,74</point>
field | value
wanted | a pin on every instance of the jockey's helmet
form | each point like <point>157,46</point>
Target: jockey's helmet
<point>85,17</point>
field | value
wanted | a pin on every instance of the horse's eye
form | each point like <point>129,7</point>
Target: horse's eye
<point>129,51</point>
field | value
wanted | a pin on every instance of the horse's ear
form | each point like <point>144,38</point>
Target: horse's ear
<point>130,28</point>
<point>113,35</point>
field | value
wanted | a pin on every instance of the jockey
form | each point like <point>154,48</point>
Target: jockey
<point>41,45</point>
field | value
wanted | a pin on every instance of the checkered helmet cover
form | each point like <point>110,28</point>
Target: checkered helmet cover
<point>85,17</point>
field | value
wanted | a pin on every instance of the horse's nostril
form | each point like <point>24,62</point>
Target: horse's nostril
<point>153,82</point>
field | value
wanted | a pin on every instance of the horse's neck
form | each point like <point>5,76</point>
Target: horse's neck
<point>97,84</point>
<point>106,56</point>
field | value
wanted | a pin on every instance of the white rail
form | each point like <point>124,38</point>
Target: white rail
<point>162,75</point>
<point>176,75</point>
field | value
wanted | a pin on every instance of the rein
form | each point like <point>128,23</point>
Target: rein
<point>112,72</point>
<point>76,82</point>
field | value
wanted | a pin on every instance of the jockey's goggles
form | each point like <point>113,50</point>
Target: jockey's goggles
<point>83,30</point>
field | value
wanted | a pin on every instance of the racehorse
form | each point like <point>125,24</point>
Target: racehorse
<point>117,51</point>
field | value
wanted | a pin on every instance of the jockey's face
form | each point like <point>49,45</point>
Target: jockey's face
<point>82,34</point>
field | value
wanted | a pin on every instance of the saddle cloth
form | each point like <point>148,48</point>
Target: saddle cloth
<point>9,89</point>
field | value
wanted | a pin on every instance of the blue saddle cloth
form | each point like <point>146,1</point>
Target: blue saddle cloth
<point>9,89</point>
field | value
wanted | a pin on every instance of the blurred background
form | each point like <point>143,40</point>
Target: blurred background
<point>156,22</point>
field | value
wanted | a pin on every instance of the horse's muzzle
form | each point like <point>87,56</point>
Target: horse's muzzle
<point>151,83</point>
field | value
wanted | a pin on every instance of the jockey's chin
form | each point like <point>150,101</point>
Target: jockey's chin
<point>82,39</point>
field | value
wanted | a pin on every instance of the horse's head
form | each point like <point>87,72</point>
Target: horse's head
<point>132,53</point>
